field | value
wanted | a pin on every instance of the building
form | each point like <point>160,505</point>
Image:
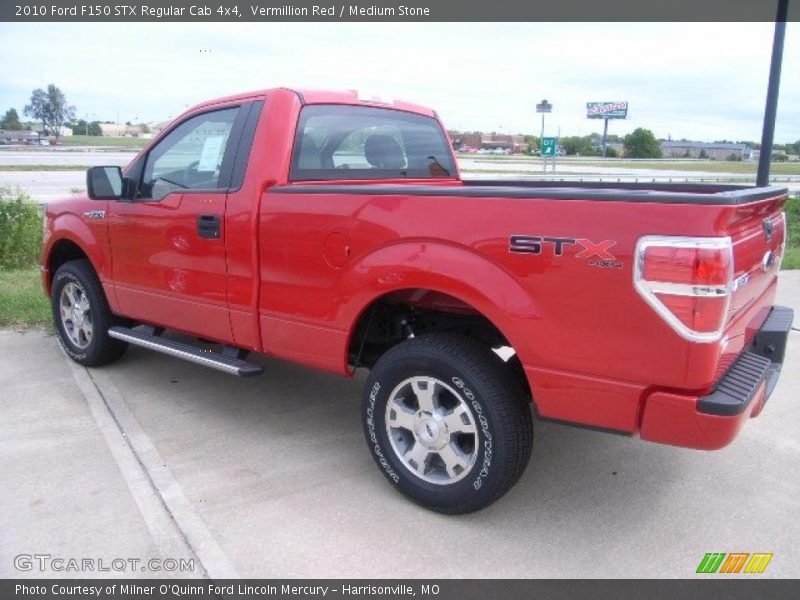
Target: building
<point>8,137</point>
<point>488,141</point>
<point>115,130</point>
<point>714,151</point>
<point>63,131</point>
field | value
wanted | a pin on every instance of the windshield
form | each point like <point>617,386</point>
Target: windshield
<point>359,142</point>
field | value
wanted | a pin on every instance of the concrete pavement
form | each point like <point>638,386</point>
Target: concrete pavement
<point>270,477</point>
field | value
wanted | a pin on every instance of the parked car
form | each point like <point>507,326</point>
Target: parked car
<point>317,228</point>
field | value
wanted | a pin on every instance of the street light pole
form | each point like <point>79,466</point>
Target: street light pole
<point>543,107</point>
<point>541,137</point>
<point>768,132</point>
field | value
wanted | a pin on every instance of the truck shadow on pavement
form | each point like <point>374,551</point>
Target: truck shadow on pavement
<point>292,430</point>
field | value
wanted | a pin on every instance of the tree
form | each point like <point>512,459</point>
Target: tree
<point>574,145</point>
<point>51,108</point>
<point>641,143</point>
<point>11,120</point>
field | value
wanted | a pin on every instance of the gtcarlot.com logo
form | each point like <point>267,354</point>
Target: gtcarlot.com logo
<point>734,562</point>
<point>48,562</point>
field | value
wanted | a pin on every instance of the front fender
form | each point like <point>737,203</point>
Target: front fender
<point>447,268</point>
<point>70,227</point>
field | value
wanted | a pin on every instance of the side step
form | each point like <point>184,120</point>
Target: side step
<point>229,360</point>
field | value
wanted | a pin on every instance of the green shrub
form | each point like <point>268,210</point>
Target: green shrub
<point>792,258</point>
<point>20,229</point>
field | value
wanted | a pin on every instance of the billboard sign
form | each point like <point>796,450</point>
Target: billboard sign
<point>606,110</point>
<point>544,107</point>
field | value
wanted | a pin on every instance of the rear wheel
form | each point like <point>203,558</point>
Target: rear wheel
<point>82,316</point>
<point>447,422</point>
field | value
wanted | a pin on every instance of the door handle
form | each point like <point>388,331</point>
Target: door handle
<point>208,226</point>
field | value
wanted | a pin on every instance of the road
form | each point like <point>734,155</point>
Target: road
<point>153,457</point>
<point>48,185</point>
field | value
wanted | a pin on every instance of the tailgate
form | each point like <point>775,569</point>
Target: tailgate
<point>758,233</point>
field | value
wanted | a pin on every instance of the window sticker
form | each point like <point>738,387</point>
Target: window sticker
<point>211,155</point>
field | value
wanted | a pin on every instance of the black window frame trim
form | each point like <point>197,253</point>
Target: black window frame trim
<point>234,162</point>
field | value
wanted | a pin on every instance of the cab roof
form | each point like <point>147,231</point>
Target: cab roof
<point>316,96</point>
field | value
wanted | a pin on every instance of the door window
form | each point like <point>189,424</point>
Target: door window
<point>190,156</point>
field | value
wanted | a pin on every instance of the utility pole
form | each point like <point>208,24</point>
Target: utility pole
<point>771,107</point>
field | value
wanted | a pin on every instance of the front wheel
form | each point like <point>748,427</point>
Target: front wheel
<point>82,317</point>
<point>447,422</point>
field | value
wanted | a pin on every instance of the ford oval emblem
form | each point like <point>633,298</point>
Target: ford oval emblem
<point>767,261</point>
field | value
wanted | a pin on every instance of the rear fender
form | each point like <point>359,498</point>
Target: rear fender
<point>445,268</point>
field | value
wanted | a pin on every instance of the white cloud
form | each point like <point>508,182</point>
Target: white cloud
<point>695,80</point>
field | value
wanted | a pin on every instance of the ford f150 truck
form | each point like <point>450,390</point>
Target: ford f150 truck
<point>335,231</point>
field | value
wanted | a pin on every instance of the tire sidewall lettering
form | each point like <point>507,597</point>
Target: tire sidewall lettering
<point>478,411</point>
<point>373,436</point>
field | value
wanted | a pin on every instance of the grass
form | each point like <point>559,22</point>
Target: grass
<point>792,258</point>
<point>23,303</point>
<point>43,168</point>
<point>130,143</point>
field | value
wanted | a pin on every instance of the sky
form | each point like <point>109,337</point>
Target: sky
<point>700,81</point>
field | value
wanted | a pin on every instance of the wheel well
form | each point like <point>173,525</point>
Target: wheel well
<point>63,252</point>
<point>398,315</point>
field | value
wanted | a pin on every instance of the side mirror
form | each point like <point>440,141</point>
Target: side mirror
<point>104,183</point>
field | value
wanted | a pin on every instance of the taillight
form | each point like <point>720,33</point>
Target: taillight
<point>688,281</point>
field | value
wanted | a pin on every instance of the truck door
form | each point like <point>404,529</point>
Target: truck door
<point>167,241</point>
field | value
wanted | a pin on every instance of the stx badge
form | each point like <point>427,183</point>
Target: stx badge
<point>597,253</point>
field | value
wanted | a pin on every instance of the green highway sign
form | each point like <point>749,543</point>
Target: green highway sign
<point>549,146</point>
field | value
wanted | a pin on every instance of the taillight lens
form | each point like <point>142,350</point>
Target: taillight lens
<point>687,281</point>
<point>696,266</point>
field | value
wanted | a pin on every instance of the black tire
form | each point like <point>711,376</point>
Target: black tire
<point>101,348</point>
<point>489,389</point>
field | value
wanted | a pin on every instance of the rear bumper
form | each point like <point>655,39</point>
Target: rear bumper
<point>713,421</point>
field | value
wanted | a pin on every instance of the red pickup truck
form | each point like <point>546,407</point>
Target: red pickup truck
<point>335,231</point>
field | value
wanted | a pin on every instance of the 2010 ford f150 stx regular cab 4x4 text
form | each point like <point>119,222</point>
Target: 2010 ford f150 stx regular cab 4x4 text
<point>321,228</point>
